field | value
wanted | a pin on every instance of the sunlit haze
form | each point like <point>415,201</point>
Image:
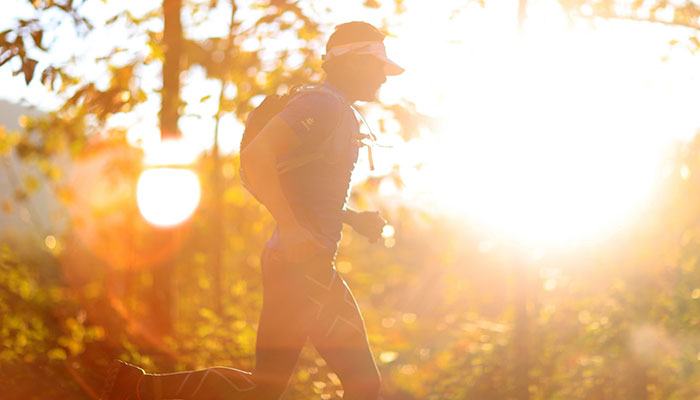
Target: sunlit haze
<point>545,137</point>
<point>550,135</point>
<point>526,224</point>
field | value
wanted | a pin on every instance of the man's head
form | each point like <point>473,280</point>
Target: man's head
<point>356,59</point>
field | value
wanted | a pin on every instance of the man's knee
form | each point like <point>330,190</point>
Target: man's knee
<point>374,386</point>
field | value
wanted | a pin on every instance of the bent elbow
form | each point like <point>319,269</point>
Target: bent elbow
<point>247,157</point>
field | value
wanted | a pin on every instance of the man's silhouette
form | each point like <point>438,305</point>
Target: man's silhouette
<point>303,295</point>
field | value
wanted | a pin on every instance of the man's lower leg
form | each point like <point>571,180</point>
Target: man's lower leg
<point>217,383</point>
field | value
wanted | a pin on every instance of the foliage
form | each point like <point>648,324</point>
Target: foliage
<point>683,14</point>
<point>618,320</point>
<point>43,326</point>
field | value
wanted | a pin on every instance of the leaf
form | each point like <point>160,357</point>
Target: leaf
<point>207,313</point>
<point>266,19</point>
<point>307,34</point>
<point>31,184</point>
<point>48,76</point>
<point>50,170</point>
<point>37,36</point>
<point>695,41</point>
<point>5,57</point>
<point>3,34</point>
<point>113,19</point>
<point>57,354</point>
<point>28,67</point>
<point>205,98</point>
<point>20,194</point>
<point>7,206</point>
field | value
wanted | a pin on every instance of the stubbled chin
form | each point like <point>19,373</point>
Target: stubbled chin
<point>372,96</point>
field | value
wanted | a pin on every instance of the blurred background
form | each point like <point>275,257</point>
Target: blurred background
<point>538,166</point>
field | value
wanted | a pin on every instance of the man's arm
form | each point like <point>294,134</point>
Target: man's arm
<point>349,216</point>
<point>259,161</point>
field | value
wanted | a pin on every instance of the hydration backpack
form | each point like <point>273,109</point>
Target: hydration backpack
<point>262,114</point>
<point>271,106</point>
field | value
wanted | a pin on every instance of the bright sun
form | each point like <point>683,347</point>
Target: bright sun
<point>545,155</point>
<point>167,196</point>
<point>547,138</point>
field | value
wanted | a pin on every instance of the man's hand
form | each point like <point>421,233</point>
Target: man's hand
<point>369,224</point>
<point>298,243</point>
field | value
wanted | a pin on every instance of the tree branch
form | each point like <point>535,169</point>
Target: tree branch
<point>678,24</point>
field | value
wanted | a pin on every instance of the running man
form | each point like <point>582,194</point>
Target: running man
<point>303,295</point>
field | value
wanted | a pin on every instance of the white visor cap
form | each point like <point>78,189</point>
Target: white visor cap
<point>376,49</point>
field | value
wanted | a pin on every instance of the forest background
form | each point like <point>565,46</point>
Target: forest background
<point>456,307</point>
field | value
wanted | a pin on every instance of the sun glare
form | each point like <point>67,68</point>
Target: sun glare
<point>549,137</point>
<point>167,196</point>
<point>552,152</point>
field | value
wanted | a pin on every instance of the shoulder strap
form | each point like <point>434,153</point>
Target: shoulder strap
<point>303,159</point>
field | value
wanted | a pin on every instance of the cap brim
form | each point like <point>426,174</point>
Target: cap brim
<point>391,68</point>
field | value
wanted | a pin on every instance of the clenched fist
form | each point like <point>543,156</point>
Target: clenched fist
<point>369,224</point>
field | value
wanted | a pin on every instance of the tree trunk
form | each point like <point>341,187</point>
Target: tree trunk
<point>521,332</point>
<point>218,227</point>
<point>638,379</point>
<point>161,300</point>
<point>172,40</point>
<point>522,14</point>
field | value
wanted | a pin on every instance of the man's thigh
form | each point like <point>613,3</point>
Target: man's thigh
<point>285,320</point>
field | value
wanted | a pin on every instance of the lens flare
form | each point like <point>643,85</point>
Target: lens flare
<point>167,196</point>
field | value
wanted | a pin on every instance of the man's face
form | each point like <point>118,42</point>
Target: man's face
<point>370,76</point>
